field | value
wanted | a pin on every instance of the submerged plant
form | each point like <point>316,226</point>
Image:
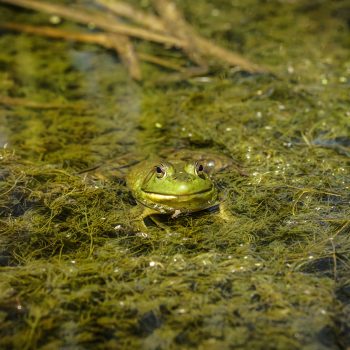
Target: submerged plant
<point>75,274</point>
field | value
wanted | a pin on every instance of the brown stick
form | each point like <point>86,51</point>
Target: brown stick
<point>172,16</point>
<point>55,33</point>
<point>176,25</point>
<point>125,10</point>
<point>199,45</point>
<point>160,62</point>
<point>99,39</point>
<point>227,56</point>
<point>99,20</point>
<point>124,47</point>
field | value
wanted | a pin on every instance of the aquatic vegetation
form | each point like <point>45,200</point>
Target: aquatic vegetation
<point>73,271</point>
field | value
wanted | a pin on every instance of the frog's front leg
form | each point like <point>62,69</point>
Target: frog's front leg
<point>140,213</point>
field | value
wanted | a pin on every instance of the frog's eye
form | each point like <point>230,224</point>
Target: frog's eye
<point>199,168</point>
<point>160,171</point>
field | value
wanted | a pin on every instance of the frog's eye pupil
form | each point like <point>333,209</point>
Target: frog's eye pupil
<point>160,172</point>
<point>200,170</point>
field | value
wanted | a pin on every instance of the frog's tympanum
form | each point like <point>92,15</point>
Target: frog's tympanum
<point>181,185</point>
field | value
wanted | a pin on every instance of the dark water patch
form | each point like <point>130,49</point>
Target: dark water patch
<point>148,323</point>
<point>324,266</point>
<point>343,334</point>
<point>5,259</point>
<point>339,144</point>
<point>183,338</point>
<point>13,312</point>
<point>327,336</point>
<point>20,204</point>
<point>311,6</point>
<point>343,12</point>
<point>343,294</point>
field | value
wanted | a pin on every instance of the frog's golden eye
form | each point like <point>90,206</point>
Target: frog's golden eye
<point>160,171</point>
<point>199,168</point>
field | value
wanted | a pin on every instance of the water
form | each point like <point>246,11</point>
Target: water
<point>74,275</point>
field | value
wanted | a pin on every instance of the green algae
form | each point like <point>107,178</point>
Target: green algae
<point>73,272</point>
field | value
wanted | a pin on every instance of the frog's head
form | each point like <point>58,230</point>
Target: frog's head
<point>185,186</point>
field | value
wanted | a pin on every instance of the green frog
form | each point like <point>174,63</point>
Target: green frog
<point>181,184</point>
<point>175,182</point>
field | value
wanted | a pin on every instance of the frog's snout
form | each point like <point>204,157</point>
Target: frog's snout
<point>184,177</point>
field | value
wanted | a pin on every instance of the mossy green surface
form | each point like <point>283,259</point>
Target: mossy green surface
<point>73,273</point>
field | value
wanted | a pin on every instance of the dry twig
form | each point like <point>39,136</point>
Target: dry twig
<point>99,20</point>
<point>89,38</point>
<point>126,10</point>
<point>169,29</point>
<point>177,24</point>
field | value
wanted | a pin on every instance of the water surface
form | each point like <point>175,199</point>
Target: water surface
<point>74,275</point>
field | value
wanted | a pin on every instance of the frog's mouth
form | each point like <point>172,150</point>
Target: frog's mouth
<point>204,194</point>
<point>179,195</point>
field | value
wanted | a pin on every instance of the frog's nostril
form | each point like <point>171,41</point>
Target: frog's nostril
<point>183,177</point>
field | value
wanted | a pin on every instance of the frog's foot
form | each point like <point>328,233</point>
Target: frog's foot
<point>137,217</point>
<point>138,225</point>
<point>159,223</point>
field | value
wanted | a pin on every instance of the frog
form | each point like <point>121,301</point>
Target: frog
<point>175,182</point>
<point>178,184</point>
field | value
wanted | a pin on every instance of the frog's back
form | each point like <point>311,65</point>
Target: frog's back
<point>214,162</point>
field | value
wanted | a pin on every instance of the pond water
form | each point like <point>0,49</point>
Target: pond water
<point>76,275</point>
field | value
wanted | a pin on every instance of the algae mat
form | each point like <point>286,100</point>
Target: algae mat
<point>73,273</point>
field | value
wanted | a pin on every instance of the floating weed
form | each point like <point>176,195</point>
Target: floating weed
<point>77,256</point>
<point>74,274</point>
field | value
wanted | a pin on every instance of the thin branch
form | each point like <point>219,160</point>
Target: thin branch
<point>176,25</point>
<point>171,29</point>
<point>125,49</point>
<point>172,15</point>
<point>99,39</point>
<point>227,56</point>
<point>56,33</point>
<point>99,20</point>
<point>160,62</point>
<point>126,10</point>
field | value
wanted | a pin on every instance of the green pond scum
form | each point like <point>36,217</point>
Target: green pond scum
<point>75,275</point>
